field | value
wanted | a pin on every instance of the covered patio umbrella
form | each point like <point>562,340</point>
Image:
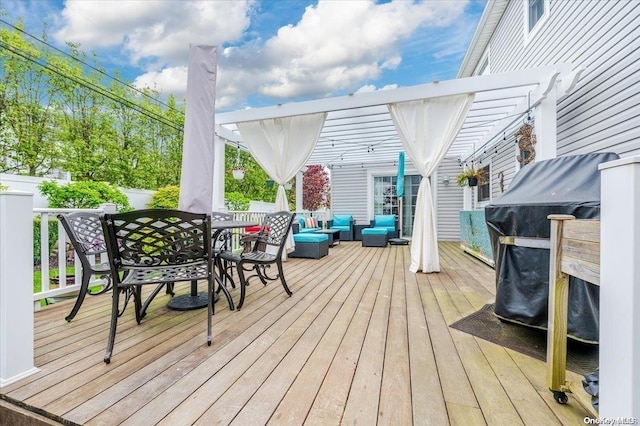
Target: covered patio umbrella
<point>400,189</point>
<point>196,179</point>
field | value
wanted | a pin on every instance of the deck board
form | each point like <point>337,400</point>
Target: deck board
<point>362,340</point>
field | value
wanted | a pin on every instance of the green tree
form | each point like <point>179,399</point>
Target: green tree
<point>28,131</point>
<point>253,185</point>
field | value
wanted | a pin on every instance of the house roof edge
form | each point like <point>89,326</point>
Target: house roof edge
<point>489,20</point>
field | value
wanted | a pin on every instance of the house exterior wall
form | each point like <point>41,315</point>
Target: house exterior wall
<point>448,201</point>
<point>601,114</point>
<point>351,193</point>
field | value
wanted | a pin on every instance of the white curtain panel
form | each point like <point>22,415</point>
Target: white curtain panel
<point>196,178</point>
<point>282,147</point>
<point>427,129</point>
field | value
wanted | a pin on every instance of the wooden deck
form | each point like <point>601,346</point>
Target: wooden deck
<point>362,340</point>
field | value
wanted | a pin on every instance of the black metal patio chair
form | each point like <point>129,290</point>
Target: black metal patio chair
<point>222,242</point>
<point>84,230</point>
<point>156,246</point>
<point>267,248</point>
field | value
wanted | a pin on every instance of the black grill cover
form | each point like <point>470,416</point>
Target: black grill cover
<point>565,185</point>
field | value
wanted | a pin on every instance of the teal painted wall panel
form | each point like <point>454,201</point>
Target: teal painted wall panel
<point>474,235</point>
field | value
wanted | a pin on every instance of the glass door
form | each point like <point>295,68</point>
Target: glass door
<point>385,200</point>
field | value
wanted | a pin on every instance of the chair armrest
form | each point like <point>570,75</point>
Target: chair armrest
<point>248,241</point>
<point>295,226</point>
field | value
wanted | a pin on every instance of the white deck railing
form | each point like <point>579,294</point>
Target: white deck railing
<point>63,288</point>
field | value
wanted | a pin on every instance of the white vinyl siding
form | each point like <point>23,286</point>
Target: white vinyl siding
<point>503,162</point>
<point>448,201</point>
<point>602,113</point>
<point>349,192</point>
<point>351,187</point>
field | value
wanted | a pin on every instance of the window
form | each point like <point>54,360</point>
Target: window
<point>484,188</point>
<point>535,12</point>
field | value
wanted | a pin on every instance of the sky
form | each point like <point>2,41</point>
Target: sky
<point>269,51</point>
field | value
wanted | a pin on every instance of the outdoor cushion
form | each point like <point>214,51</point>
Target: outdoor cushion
<point>342,220</point>
<point>384,220</point>
<point>308,230</point>
<point>374,231</point>
<point>341,227</point>
<point>301,222</point>
<point>310,238</point>
<point>387,221</point>
<point>310,222</point>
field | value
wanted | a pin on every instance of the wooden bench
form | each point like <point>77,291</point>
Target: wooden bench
<point>575,251</point>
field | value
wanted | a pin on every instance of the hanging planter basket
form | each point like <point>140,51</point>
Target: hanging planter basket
<point>238,173</point>
<point>472,181</point>
<point>269,183</point>
<point>288,186</point>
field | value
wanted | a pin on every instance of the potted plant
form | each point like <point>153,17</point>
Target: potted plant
<point>470,176</point>
<point>238,172</point>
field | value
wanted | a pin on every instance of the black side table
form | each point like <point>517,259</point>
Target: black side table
<point>333,234</point>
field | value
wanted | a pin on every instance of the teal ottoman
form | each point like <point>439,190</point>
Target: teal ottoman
<point>374,237</point>
<point>313,246</point>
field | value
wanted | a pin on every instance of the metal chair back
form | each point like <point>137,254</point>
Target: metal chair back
<point>156,246</point>
<point>84,231</point>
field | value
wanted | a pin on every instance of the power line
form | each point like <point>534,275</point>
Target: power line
<point>89,85</point>
<point>98,89</point>
<point>86,64</point>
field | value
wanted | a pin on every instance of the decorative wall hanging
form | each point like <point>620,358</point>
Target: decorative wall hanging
<point>526,140</point>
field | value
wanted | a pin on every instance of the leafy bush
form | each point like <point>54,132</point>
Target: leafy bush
<point>3,187</point>
<point>165,198</point>
<point>236,201</point>
<point>83,195</point>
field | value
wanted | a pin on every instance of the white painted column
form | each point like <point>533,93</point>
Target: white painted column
<point>218,174</point>
<point>620,289</point>
<point>546,127</point>
<point>16,286</point>
<point>467,197</point>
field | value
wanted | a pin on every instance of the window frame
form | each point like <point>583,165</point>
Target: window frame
<point>529,34</point>
<point>485,201</point>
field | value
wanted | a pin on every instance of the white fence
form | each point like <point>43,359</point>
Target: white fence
<point>138,198</point>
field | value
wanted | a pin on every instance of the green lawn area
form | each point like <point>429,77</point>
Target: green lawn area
<point>53,273</point>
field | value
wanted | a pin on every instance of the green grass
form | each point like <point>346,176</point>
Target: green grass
<point>53,273</point>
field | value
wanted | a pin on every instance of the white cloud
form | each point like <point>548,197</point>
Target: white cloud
<point>169,80</point>
<point>157,32</point>
<point>336,46</point>
<point>371,88</point>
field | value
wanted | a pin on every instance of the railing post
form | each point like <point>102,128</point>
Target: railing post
<point>108,208</point>
<point>16,286</point>
<point>620,289</point>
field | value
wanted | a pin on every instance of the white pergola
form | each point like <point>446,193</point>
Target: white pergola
<point>359,129</point>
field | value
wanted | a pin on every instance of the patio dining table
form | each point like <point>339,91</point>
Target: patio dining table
<point>195,300</point>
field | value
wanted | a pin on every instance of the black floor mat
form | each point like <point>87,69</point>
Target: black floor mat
<point>582,358</point>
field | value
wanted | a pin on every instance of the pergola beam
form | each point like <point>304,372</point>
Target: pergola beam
<point>485,83</point>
